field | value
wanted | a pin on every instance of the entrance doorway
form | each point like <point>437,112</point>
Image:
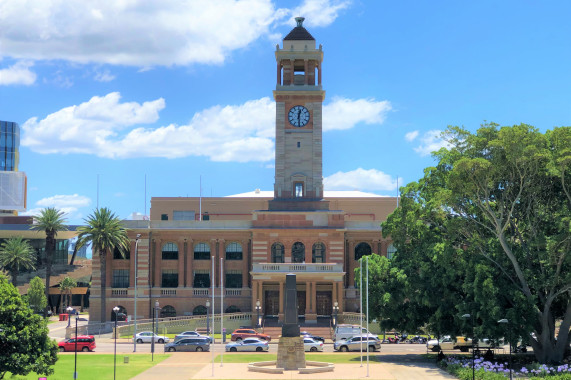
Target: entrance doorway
<point>323,303</point>
<point>301,302</point>
<point>272,303</point>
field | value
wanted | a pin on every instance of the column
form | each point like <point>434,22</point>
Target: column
<point>180,269</point>
<point>307,298</point>
<point>306,71</point>
<point>319,73</point>
<point>245,272</point>
<point>341,296</point>
<point>214,252</point>
<point>132,264</point>
<point>279,72</point>
<point>281,305</point>
<point>350,260</point>
<point>189,263</point>
<point>314,297</point>
<point>158,262</point>
<point>334,294</point>
<point>291,72</point>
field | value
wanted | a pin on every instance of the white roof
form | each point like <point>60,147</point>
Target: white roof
<point>327,194</point>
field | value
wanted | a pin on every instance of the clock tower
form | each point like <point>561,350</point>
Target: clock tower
<point>299,102</point>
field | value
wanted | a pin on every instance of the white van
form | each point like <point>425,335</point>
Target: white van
<point>343,332</point>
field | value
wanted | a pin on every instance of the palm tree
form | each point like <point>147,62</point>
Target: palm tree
<point>65,286</point>
<point>105,232</point>
<point>16,253</point>
<point>51,221</point>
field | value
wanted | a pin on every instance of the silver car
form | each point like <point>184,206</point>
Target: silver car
<point>354,344</point>
<point>191,334</point>
<point>147,337</point>
<point>248,344</point>
<point>188,344</point>
<point>312,345</point>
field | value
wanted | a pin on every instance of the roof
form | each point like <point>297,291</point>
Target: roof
<point>299,32</point>
<point>326,194</point>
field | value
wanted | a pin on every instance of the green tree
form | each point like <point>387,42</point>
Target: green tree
<point>51,221</point>
<point>498,200</point>
<point>17,254</point>
<point>105,232</point>
<point>24,343</point>
<point>65,287</point>
<point>36,295</point>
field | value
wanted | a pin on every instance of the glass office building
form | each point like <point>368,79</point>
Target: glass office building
<point>9,144</point>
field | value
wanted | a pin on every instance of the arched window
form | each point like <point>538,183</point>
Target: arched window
<point>199,310</point>
<point>318,253</point>
<point>362,249</point>
<point>121,255</point>
<point>391,250</point>
<point>168,311</point>
<point>234,251</point>
<point>278,253</point>
<point>297,252</point>
<point>202,251</point>
<point>121,314</point>
<point>232,309</point>
<point>170,251</point>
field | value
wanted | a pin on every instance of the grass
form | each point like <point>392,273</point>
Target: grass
<point>339,358</point>
<point>96,366</point>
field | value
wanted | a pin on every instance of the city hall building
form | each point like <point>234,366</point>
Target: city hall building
<point>256,238</point>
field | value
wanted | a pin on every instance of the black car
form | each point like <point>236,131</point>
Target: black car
<point>309,335</point>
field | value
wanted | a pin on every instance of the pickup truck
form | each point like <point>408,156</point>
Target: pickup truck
<point>459,342</point>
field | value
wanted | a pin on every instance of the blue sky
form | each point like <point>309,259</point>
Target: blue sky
<point>179,90</point>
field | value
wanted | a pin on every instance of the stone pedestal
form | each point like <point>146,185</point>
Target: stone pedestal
<point>291,355</point>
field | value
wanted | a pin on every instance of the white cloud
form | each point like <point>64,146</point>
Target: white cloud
<point>360,179</point>
<point>344,113</point>
<point>103,76</point>
<point>19,73</point>
<point>68,204</point>
<point>410,136</point>
<point>431,141</point>
<point>320,12</point>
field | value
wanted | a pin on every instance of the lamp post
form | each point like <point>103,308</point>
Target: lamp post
<point>208,317</point>
<point>258,309</point>
<point>155,310</point>
<point>468,316</point>
<point>69,309</point>
<point>135,295</point>
<point>75,365</point>
<point>335,312</point>
<point>116,310</point>
<point>504,320</point>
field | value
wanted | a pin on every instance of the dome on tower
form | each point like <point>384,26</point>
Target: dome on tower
<point>299,33</point>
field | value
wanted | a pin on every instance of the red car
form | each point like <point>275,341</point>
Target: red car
<point>240,334</point>
<point>84,343</point>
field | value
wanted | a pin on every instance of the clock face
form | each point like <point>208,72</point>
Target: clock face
<point>298,116</point>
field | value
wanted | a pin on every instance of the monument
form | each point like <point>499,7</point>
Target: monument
<point>291,354</point>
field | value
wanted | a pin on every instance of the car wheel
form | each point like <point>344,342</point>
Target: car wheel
<point>139,340</point>
<point>343,349</point>
<point>259,349</point>
<point>172,349</point>
<point>85,349</point>
<point>435,348</point>
<point>199,349</point>
<point>238,339</point>
<point>233,349</point>
<point>372,348</point>
<point>61,349</point>
<point>313,349</point>
<point>161,341</point>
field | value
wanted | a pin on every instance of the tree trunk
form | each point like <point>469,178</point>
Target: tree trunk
<point>546,348</point>
<point>50,247</point>
<point>103,265</point>
<point>14,274</point>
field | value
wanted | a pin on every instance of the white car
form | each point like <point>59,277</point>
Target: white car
<point>191,334</point>
<point>147,337</point>
<point>312,345</point>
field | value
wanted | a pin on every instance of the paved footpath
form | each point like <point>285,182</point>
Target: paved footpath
<point>399,367</point>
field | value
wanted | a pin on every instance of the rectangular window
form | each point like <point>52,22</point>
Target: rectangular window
<point>170,278</point>
<point>298,189</point>
<point>164,216</point>
<point>183,215</point>
<point>120,278</point>
<point>201,279</point>
<point>233,279</point>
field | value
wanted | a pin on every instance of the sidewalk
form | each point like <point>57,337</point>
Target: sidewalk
<point>389,367</point>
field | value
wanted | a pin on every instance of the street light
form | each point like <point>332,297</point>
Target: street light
<point>335,312</point>
<point>69,310</point>
<point>258,309</point>
<point>504,320</point>
<point>135,295</point>
<point>468,316</point>
<point>75,365</point>
<point>116,310</point>
<point>207,317</point>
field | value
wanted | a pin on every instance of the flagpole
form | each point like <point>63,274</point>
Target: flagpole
<point>361,305</point>
<point>212,348</point>
<point>222,309</point>
<point>367,317</point>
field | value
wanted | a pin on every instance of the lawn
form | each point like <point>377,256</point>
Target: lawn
<point>338,358</point>
<point>96,366</point>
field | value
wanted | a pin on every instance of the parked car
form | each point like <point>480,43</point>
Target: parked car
<point>459,342</point>
<point>347,331</point>
<point>305,334</point>
<point>312,345</point>
<point>147,337</point>
<point>248,344</point>
<point>191,334</point>
<point>84,343</point>
<point>354,343</point>
<point>240,334</point>
<point>189,344</point>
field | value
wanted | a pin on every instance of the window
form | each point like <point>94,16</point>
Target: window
<point>170,251</point>
<point>183,215</point>
<point>234,251</point>
<point>164,216</point>
<point>391,250</point>
<point>277,253</point>
<point>170,278</point>
<point>298,189</point>
<point>362,249</point>
<point>120,255</point>
<point>318,253</point>
<point>298,253</point>
<point>199,310</point>
<point>120,278</point>
<point>298,144</point>
<point>232,309</point>
<point>201,278</point>
<point>202,251</point>
<point>233,279</point>
<point>168,312</point>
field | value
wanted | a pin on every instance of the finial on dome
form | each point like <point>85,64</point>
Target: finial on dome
<point>299,20</point>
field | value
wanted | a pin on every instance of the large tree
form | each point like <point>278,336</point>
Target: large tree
<point>51,221</point>
<point>24,342</point>
<point>105,232</point>
<point>16,254</point>
<point>500,201</point>
<point>36,295</point>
